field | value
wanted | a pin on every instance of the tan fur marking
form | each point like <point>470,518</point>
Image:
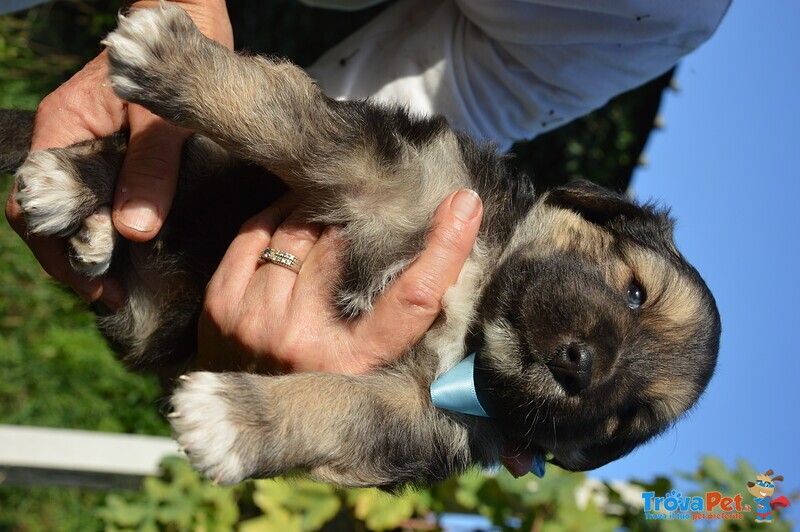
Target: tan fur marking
<point>671,397</point>
<point>555,229</point>
<point>611,426</point>
<point>672,302</point>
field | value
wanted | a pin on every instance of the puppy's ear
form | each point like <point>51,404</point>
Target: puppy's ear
<point>594,203</point>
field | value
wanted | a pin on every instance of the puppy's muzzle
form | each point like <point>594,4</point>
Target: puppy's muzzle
<point>572,367</point>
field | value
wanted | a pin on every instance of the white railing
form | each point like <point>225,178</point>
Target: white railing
<point>46,456</point>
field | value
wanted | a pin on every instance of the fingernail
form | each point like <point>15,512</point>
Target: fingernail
<point>465,204</point>
<point>139,215</point>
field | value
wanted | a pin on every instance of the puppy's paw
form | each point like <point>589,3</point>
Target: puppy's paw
<point>51,194</point>
<point>92,247</point>
<point>145,50</point>
<point>206,427</point>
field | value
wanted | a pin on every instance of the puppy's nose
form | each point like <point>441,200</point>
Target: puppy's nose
<point>572,366</point>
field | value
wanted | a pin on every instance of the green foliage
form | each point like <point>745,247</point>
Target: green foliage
<point>55,368</point>
<point>381,511</point>
<point>24,76</point>
<point>529,503</point>
<point>299,505</point>
<point>180,500</point>
<point>560,502</point>
<point>49,509</point>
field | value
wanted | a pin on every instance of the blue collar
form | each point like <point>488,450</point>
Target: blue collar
<point>455,390</point>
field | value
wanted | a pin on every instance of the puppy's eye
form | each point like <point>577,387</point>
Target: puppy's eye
<point>636,295</point>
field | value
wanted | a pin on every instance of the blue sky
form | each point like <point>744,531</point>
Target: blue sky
<point>728,163</point>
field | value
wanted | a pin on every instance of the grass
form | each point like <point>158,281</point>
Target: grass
<point>55,368</point>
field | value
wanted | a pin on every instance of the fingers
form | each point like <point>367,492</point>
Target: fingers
<point>230,327</point>
<point>297,237</point>
<point>52,255</point>
<point>149,175</point>
<point>240,262</point>
<point>83,108</point>
<point>321,266</point>
<point>412,303</point>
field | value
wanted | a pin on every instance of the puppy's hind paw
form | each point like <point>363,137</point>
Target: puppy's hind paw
<point>144,49</point>
<point>92,247</point>
<point>203,424</point>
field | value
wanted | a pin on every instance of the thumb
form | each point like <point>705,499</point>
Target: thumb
<point>149,175</point>
<point>411,304</point>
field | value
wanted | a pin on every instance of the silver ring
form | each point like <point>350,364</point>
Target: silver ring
<point>281,258</point>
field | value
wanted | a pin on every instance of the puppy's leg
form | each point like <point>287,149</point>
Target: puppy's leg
<point>265,110</point>
<point>58,188</point>
<point>68,192</point>
<point>376,170</point>
<point>376,430</point>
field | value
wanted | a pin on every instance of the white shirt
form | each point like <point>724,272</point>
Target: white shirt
<point>506,70</point>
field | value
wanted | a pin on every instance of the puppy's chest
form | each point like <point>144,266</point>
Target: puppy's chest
<point>447,338</point>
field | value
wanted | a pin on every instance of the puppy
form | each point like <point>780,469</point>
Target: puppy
<point>592,333</point>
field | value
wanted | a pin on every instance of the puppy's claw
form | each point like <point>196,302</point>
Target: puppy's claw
<point>185,378</point>
<point>174,415</point>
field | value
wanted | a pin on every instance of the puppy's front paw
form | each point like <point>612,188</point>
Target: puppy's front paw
<point>208,428</point>
<point>145,51</point>
<point>52,197</point>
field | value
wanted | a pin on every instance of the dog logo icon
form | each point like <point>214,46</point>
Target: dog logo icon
<point>762,490</point>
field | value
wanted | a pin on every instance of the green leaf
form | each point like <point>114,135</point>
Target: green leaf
<point>315,503</point>
<point>381,511</point>
<point>278,520</point>
<point>466,492</point>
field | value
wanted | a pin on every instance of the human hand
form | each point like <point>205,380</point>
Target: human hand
<point>269,318</point>
<point>85,107</point>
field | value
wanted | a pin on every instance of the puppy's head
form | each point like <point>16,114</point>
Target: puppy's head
<point>597,334</point>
